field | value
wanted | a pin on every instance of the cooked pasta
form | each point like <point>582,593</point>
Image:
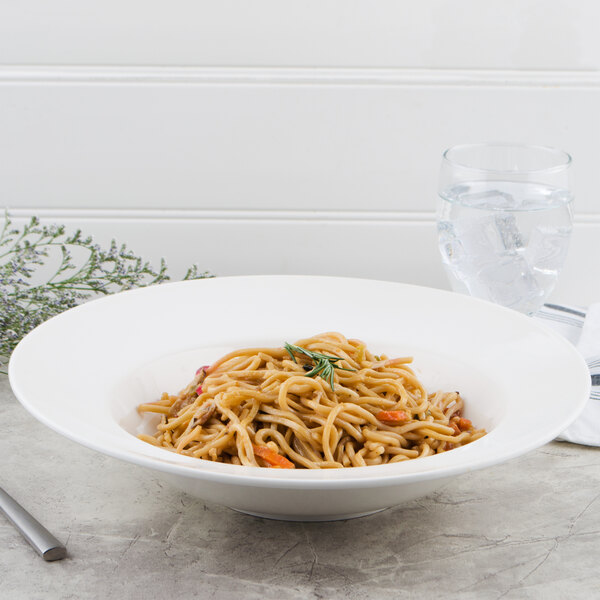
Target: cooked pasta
<point>325,402</point>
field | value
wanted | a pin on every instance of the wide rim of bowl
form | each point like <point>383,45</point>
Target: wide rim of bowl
<point>461,460</point>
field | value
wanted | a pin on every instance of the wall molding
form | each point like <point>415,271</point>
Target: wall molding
<point>300,216</point>
<point>137,75</point>
<point>235,243</point>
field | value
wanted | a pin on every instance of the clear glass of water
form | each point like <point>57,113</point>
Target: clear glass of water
<point>504,221</point>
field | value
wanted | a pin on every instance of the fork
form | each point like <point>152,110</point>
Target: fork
<point>45,544</point>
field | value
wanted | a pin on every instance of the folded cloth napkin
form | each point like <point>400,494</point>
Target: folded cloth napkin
<point>582,328</point>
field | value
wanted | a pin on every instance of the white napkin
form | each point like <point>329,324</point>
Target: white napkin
<point>582,328</point>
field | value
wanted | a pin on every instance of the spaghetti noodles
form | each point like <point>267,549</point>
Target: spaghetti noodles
<point>326,402</point>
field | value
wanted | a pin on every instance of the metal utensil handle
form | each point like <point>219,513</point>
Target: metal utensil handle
<point>34,532</point>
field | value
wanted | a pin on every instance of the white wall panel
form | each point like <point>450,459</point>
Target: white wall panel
<point>280,137</point>
<point>273,141</point>
<point>373,246</point>
<point>494,34</point>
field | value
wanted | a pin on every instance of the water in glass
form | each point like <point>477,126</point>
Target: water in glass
<point>504,241</point>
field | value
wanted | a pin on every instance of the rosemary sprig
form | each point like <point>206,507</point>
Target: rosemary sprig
<point>44,270</point>
<point>324,364</point>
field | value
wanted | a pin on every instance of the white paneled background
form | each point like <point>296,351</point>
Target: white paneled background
<point>288,137</point>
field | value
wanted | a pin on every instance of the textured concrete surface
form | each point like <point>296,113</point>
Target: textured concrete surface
<point>527,529</point>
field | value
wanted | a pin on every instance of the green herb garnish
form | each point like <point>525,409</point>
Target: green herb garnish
<point>324,364</point>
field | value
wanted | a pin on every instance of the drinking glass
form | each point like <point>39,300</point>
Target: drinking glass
<point>504,220</point>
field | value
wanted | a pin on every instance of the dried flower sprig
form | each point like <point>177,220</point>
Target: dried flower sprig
<point>84,270</point>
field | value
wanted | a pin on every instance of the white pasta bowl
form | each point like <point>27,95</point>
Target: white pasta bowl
<point>95,363</point>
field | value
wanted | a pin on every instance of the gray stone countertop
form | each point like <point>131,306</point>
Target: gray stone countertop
<point>529,528</point>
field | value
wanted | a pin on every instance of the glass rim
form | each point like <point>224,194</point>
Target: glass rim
<point>565,164</point>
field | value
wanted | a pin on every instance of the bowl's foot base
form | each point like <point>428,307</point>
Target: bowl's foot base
<point>309,517</point>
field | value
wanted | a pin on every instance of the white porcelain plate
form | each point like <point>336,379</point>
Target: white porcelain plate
<point>84,372</point>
